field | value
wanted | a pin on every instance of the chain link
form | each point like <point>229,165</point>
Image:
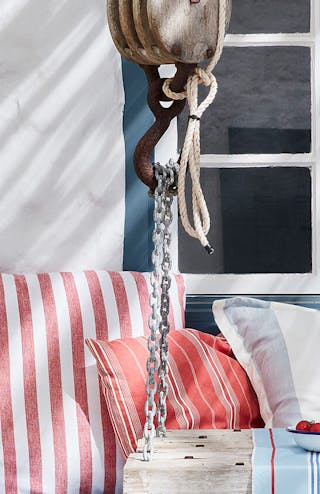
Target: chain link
<point>159,304</point>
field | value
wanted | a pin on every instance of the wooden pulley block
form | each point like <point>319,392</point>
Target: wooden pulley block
<point>156,32</point>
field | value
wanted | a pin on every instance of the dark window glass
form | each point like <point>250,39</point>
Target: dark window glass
<point>261,222</point>
<point>272,16</point>
<point>263,104</point>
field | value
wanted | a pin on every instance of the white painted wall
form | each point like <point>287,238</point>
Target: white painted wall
<point>62,174</point>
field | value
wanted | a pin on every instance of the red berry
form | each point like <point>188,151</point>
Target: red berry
<point>315,427</point>
<point>303,425</point>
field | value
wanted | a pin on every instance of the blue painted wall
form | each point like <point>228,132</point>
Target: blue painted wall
<point>139,206</point>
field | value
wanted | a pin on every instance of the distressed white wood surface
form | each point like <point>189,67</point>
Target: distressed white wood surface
<point>215,461</point>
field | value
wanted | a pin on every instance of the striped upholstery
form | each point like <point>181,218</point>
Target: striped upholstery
<point>53,438</point>
<point>207,386</point>
<point>279,466</point>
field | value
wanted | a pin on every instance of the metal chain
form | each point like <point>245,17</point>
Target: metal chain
<point>159,303</point>
<point>164,327</point>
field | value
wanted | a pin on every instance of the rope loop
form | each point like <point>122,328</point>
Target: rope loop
<point>190,154</point>
<point>171,94</point>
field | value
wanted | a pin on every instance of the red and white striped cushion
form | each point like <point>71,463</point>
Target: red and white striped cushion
<point>207,386</point>
<point>56,434</point>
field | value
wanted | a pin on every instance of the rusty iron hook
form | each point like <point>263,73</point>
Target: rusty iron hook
<point>163,117</point>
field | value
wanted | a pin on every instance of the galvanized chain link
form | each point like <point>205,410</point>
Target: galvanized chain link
<point>164,326</point>
<point>159,303</point>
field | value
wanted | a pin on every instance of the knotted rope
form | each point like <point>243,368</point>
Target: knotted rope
<point>190,154</point>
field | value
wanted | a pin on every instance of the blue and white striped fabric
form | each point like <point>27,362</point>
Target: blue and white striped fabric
<point>278,346</point>
<point>279,466</point>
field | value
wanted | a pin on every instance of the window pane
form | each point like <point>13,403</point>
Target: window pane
<point>273,16</point>
<point>261,222</point>
<point>263,104</point>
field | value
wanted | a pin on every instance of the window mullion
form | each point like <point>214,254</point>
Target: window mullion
<point>315,28</point>
<point>208,160</point>
<point>278,39</point>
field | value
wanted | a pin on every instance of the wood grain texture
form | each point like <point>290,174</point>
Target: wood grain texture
<point>145,35</point>
<point>156,32</point>
<point>117,34</point>
<point>129,31</point>
<point>215,461</point>
<point>185,29</point>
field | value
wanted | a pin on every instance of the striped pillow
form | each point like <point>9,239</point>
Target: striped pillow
<point>278,346</point>
<point>52,436</point>
<point>207,387</point>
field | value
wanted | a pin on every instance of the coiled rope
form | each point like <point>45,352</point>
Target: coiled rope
<point>190,154</point>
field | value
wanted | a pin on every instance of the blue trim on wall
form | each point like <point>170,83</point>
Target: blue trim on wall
<point>199,308</point>
<point>137,119</point>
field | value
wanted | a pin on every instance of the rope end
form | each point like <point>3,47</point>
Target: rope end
<point>209,249</point>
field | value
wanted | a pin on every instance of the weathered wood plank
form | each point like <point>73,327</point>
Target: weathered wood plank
<point>220,439</point>
<point>215,461</point>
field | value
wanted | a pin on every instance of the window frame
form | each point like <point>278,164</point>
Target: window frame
<point>275,283</point>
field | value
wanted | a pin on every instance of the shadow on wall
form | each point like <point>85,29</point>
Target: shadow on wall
<point>62,180</point>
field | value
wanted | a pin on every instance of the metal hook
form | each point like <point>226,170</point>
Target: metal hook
<point>163,117</point>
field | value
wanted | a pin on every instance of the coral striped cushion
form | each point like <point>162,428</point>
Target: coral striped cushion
<point>56,435</point>
<point>207,386</point>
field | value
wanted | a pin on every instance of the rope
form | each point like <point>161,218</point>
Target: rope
<point>190,154</point>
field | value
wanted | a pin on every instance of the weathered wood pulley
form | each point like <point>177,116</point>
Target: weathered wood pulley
<point>184,33</point>
<point>156,32</point>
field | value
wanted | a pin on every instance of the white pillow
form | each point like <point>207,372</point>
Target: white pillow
<point>278,345</point>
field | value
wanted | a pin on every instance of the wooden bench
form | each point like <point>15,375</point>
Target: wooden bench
<point>195,462</point>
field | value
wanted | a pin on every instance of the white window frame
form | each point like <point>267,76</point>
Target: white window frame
<point>277,283</point>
